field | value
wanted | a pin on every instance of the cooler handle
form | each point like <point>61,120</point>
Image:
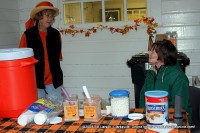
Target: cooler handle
<point>23,64</point>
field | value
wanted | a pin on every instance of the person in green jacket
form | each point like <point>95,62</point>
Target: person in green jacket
<point>166,74</point>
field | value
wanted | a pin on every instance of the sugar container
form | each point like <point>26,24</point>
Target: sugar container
<point>71,109</point>
<point>119,103</point>
<point>156,107</point>
<point>92,108</point>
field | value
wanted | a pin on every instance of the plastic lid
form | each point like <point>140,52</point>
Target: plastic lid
<point>15,53</point>
<point>119,93</point>
<point>156,93</point>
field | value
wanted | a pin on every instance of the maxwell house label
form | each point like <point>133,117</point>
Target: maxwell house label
<point>156,110</point>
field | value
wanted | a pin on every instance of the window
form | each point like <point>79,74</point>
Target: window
<point>134,13</point>
<point>100,11</point>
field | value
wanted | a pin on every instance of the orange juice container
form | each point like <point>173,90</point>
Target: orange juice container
<point>92,109</point>
<point>71,109</point>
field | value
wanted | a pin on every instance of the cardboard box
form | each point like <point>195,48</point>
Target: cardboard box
<point>160,37</point>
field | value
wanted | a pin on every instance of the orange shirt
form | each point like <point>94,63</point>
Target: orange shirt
<point>47,73</point>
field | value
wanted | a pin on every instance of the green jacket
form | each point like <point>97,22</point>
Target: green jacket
<point>171,79</point>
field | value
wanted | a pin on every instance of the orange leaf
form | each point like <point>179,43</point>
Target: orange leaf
<point>87,34</point>
<point>94,30</point>
<point>71,26</point>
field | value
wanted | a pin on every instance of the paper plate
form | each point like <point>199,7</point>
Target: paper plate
<point>136,116</point>
<point>55,120</point>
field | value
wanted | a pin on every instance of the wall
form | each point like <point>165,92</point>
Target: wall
<point>183,16</point>
<point>99,61</point>
<point>9,23</point>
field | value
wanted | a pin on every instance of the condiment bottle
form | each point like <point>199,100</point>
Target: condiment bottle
<point>119,103</point>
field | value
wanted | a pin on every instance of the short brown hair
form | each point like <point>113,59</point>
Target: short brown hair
<point>166,51</point>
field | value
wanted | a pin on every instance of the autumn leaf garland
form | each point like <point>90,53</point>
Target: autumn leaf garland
<point>146,20</point>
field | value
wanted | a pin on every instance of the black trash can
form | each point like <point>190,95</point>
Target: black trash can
<point>139,66</point>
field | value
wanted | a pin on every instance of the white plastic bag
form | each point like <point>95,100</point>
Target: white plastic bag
<point>41,105</point>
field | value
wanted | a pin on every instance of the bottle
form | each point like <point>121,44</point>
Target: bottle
<point>119,103</point>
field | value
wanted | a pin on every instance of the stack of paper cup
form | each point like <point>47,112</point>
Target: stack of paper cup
<point>26,117</point>
<point>43,117</point>
<point>40,118</point>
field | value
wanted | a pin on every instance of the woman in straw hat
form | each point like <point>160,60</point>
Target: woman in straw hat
<point>46,44</point>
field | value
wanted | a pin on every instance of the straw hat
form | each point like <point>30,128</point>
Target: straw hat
<point>44,5</point>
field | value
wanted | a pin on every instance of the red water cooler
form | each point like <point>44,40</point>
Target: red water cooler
<point>18,87</point>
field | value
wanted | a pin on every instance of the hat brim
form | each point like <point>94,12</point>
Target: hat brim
<point>41,8</point>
